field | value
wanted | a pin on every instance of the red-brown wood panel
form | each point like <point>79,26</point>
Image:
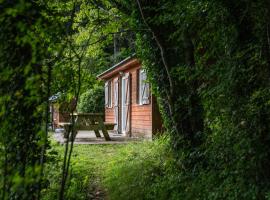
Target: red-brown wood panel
<point>141,115</point>
<point>109,115</point>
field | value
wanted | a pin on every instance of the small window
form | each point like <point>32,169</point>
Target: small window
<point>108,94</point>
<point>143,88</point>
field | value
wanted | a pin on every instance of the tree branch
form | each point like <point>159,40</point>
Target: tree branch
<point>160,48</point>
<point>171,91</point>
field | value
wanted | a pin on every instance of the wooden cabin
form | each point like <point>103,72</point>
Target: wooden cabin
<point>128,100</point>
<point>58,116</point>
<point>60,111</point>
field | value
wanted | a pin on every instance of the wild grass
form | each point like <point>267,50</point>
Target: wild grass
<point>121,171</point>
<point>87,166</point>
<point>138,171</point>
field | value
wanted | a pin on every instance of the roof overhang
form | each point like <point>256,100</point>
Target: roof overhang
<point>121,66</point>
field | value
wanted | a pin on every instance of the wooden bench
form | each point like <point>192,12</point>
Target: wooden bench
<point>90,122</point>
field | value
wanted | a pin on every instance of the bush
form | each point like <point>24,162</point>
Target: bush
<point>92,101</point>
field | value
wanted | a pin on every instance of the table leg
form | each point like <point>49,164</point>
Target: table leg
<point>103,129</point>
<point>97,133</point>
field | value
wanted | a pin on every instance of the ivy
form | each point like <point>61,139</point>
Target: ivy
<point>218,55</point>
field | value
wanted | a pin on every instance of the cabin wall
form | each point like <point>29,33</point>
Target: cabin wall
<point>109,112</point>
<point>57,116</point>
<point>109,115</point>
<point>141,120</point>
<point>141,116</point>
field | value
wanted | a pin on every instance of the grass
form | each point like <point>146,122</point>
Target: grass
<point>110,171</point>
<point>144,170</point>
<point>88,164</point>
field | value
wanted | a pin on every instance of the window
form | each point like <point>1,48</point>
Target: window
<point>108,94</point>
<point>143,88</point>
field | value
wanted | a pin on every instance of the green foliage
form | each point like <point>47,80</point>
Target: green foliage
<point>92,101</point>
<point>137,172</point>
<point>218,114</point>
<point>216,109</point>
<point>86,171</point>
<point>141,170</point>
<point>26,43</point>
<point>78,182</point>
<point>149,170</point>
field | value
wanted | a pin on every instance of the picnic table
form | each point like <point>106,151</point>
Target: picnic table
<point>88,121</point>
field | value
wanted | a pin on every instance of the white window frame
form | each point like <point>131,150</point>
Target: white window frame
<point>108,94</point>
<point>143,84</point>
<point>125,103</point>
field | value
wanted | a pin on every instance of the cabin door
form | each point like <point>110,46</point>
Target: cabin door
<point>116,105</point>
<point>125,104</point>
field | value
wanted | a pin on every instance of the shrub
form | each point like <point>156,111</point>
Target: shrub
<point>92,101</point>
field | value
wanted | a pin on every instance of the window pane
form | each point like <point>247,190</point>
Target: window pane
<point>106,94</point>
<point>110,93</point>
<point>141,86</point>
<point>144,88</point>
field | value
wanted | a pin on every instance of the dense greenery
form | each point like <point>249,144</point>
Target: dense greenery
<point>26,41</point>
<point>208,63</point>
<point>140,170</point>
<point>92,101</point>
<point>87,170</point>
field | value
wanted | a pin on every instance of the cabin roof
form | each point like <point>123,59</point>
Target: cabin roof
<point>55,97</point>
<point>122,65</point>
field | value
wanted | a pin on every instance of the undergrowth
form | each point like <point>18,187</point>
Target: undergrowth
<point>87,164</point>
<point>149,170</point>
<point>138,171</point>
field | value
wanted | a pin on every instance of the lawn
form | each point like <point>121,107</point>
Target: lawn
<point>110,171</point>
<point>88,163</point>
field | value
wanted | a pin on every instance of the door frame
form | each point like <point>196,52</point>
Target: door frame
<point>117,106</point>
<point>125,118</point>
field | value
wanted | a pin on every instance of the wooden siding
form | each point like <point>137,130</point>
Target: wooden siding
<point>109,112</point>
<point>58,117</point>
<point>141,120</point>
<point>142,116</point>
<point>109,115</point>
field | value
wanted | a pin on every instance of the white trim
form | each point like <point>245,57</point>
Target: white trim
<point>108,94</point>
<point>116,103</point>
<point>125,104</point>
<point>143,88</point>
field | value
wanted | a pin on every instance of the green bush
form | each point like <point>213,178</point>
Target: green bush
<point>92,101</point>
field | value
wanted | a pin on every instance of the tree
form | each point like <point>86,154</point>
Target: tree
<point>26,40</point>
<point>208,62</point>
